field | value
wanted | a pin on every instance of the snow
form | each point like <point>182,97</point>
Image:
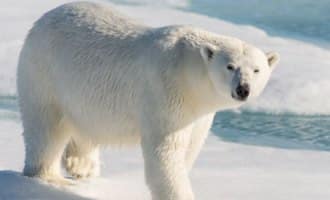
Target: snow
<point>224,170</point>
<point>166,3</point>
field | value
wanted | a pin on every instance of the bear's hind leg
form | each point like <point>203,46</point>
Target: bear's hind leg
<point>81,158</point>
<point>45,136</point>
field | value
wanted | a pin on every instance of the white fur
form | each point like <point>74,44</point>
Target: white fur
<point>88,77</point>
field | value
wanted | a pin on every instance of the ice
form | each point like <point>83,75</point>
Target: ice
<point>166,3</point>
<point>224,170</point>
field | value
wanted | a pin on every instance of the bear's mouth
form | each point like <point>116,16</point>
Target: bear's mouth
<point>241,92</point>
<point>238,98</point>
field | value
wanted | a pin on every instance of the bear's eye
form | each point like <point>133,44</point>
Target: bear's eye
<point>230,67</point>
<point>256,71</point>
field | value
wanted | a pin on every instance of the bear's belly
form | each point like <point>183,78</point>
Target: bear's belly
<point>109,132</point>
<point>104,126</point>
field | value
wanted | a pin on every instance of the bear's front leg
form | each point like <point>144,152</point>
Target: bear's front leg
<point>165,169</point>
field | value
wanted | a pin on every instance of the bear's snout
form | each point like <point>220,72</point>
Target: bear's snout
<point>243,91</point>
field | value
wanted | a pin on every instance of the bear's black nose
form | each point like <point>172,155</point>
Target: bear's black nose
<point>243,91</point>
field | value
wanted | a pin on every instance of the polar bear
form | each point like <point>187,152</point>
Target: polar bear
<point>89,77</point>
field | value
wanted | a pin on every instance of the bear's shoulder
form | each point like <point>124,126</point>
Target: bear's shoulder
<point>195,37</point>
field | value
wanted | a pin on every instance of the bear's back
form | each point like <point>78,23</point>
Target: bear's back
<point>88,18</point>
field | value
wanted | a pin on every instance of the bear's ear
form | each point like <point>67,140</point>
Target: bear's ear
<point>207,53</point>
<point>272,58</point>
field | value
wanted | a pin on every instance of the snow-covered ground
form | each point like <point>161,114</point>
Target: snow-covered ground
<point>224,170</point>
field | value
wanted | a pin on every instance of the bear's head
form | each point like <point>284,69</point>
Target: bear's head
<point>238,71</point>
